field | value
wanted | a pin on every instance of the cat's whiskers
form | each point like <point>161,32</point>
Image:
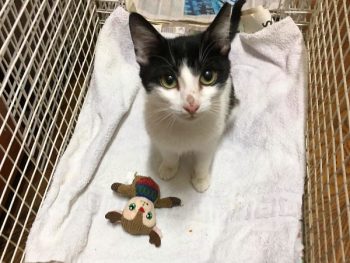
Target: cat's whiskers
<point>215,107</point>
<point>171,53</point>
<point>204,53</point>
<point>161,116</point>
<point>157,113</point>
<point>200,52</point>
<point>162,119</point>
<point>209,48</point>
<point>161,110</point>
<point>171,123</point>
<point>158,116</point>
<point>163,58</point>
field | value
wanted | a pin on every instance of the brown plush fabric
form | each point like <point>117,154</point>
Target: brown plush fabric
<point>167,202</point>
<point>135,227</point>
<point>124,189</point>
<point>154,238</point>
<point>113,216</point>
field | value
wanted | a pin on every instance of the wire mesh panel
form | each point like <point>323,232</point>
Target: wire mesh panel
<point>46,59</point>
<point>106,7</point>
<point>299,10</point>
<point>326,199</point>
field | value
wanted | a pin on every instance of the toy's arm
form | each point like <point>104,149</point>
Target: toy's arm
<point>127,190</point>
<point>167,202</point>
<point>154,237</point>
<point>113,216</point>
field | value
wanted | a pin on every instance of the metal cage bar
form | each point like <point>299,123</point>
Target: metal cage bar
<point>326,198</point>
<point>46,57</point>
<point>46,60</point>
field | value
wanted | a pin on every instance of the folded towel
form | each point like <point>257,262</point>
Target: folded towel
<point>252,209</point>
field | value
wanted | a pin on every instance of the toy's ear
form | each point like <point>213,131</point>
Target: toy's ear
<point>154,238</point>
<point>113,216</point>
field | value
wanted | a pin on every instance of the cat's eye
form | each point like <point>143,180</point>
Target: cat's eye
<point>132,206</point>
<point>149,216</point>
<point>208,77</point>
<point>168,81</point>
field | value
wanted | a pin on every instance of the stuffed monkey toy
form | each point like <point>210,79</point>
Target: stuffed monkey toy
<point>138,216</point>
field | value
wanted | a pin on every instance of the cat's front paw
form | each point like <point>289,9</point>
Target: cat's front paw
<point>166,171</point>
<point>201,184</point>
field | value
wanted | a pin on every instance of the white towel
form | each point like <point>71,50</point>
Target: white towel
<point>252,209</point>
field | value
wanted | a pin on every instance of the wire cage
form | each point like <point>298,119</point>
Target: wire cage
<point>46,60</point>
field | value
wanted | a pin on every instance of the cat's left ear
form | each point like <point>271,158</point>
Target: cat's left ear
<point>224,27</point>
<point>145,37</point>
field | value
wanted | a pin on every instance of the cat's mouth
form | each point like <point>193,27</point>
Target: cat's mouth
<point>190,117</point>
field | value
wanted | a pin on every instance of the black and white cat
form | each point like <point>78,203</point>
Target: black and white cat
<point>189,90</point>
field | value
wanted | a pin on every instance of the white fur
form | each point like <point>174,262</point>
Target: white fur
<point>174,132</point>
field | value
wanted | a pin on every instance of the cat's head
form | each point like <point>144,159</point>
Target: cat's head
<point>186,75</point>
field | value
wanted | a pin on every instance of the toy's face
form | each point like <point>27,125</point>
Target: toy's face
<point>142,205</point>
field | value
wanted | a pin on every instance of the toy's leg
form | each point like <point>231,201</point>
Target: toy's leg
<point>124,189</point>
<point>113,216</point>
<point>168,202</point>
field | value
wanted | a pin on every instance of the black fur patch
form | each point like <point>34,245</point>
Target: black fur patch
<point>170,55</point>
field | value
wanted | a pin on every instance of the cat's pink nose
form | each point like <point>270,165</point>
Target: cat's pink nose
<point>192,108</point>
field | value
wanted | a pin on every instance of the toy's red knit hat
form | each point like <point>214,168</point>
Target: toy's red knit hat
<point>147,188</point>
